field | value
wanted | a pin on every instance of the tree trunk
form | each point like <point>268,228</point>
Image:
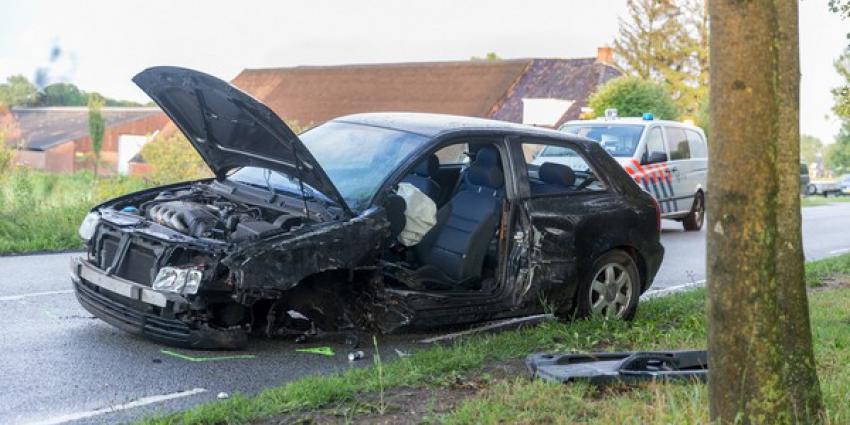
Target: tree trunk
<point>762,365</point>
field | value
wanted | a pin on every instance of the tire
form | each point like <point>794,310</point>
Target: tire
<point>617,300</point>
<point>811,190</point>
<point>693,221</point>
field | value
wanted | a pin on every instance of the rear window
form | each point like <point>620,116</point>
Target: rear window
<point>618,139</point>
<point>696,144</point>
<point>677,144</point>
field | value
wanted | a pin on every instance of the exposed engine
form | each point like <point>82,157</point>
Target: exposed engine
<point>207,215</point>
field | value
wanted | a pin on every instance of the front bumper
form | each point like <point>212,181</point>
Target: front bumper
<point>140,310</point>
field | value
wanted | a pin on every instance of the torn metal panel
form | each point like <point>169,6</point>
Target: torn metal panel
<point>607,368</point>
<point>282,262</point>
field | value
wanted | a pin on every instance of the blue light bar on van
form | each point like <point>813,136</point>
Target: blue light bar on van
<point>647,116</point>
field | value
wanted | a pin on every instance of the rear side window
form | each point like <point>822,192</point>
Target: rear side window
<point>677,144</point>
<point>696,144</point>
<point>654,143</point>
<point>554,170</point>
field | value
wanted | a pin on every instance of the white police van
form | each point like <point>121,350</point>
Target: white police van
<point>669,159</point>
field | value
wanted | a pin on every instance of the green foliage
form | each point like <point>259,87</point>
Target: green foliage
<point>173,159</point>
<point>838,154</point>
<point>842,8</point>
<point>17,91</point>
<point>632,97</point>
<point>666,41</point>
<point>62,94</point>
<point>96,126</point>
<point>42,211</point>
<point>810,146</point>
<point>841,94</point>
<point>490,56</point>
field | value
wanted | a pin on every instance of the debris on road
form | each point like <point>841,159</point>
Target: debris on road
<point>223,395</point>
<point>494,326</point>
<point>324,351</point>
<point>401,353</point>
<point>607,368</point>
<point>356,355</point>
<point>206,358</point>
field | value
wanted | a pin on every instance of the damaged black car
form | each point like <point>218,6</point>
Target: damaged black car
<point>375,222</point>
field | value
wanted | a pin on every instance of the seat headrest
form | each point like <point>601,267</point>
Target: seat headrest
<point>428,167</point>
<point>487,156</point>
<point>558,174</point>
<point>486,176</point>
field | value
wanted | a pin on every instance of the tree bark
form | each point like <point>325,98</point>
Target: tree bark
<point>761,361</point>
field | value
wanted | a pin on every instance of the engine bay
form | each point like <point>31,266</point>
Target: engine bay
<point>201,212</point>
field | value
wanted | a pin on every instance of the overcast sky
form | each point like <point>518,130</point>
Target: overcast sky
<point>104,43</point>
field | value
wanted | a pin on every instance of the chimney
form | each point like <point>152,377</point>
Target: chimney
<point>605,55</point>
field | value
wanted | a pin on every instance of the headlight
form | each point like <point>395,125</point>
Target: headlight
<point>178,280</point>
<point>88,225</point>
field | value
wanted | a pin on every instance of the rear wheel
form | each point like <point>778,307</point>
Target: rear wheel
<point>811,190</point>
<point>612,289</point>
<point>693,221</point>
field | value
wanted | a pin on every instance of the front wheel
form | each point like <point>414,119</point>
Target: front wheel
<point>693,221</point>
<point>612,289</point>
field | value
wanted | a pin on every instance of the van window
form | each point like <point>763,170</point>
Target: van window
<point>677,144</point>
<point>619,140</point>
<point>555,170</point>
<point>696,144</point>
<point>654,143</point>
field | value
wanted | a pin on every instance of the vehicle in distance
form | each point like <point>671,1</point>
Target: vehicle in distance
<point>669,159</point>
<point>296,234</point>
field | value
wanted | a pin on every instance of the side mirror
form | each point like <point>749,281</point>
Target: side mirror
<point>655,157</point>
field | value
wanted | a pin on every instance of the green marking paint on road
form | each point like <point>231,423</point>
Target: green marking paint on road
<point>206,359</point>
<point>325,351</point>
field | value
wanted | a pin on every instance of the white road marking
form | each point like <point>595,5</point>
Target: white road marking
<point>34,294</point>
<point>839,251</point>
<point>118,407</point>
<point>660,292</point>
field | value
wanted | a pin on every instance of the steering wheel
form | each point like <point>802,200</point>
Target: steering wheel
<point>587,181</point>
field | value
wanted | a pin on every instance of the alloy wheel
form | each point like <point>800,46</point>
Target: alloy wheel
<point>610,291</point>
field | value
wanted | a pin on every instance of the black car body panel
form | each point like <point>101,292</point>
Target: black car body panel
<point>276,263</point>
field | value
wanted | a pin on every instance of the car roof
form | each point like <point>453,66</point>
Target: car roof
<point>432,125</point>
<point>633,121</point>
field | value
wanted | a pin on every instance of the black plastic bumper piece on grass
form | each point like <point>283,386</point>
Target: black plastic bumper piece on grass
<point>607,368</point>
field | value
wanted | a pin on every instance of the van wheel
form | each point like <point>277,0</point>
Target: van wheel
<point>612,289</point>
<point>693,221</point>
<point>811,190</point>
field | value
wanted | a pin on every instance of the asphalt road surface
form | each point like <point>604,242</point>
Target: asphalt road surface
<point>59,365</point>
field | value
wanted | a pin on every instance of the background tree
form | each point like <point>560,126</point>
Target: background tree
<point>632,97</point>
<point>760,343</point>
<point>810,146</point>
<point>17,91</point>
<point>96,128</point>
<point>841,7</point>
<point>490,56</point>
<point>837,155</point>
<point>841,94</point>
<point>667,41</point>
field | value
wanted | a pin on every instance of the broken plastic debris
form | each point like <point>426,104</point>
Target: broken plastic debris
<point>605,368</point>
<point>223,395</point>
<point>324,351</point>
<point>356,355</point>
<point>402,353</point>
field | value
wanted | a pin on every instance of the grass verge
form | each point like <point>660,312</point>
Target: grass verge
<point>41,211</point>
<point>817,201</point>
<point>673,322</point>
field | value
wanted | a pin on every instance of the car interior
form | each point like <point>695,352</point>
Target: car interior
<point>460,250</point>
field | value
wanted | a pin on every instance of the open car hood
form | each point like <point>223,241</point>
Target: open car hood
<point>231,129</point>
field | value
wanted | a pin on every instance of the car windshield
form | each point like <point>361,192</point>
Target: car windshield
<point>618,139</point>
<point>356,157</point>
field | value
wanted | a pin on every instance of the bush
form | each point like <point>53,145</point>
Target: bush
<point>173,159</point>
<point>632,97</point>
